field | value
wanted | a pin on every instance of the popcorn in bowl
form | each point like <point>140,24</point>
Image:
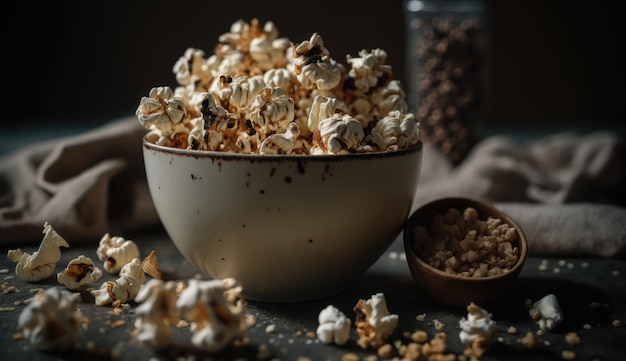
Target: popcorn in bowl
<point>259,93</point>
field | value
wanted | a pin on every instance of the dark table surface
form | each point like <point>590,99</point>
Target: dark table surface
<point>577,282</point>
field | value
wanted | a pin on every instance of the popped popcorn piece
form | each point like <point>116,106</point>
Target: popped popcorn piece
<point>313,65</point>
<point>217,319</point>
<point>547,312</point>
<point>271,111</point>
<point>52,320</point>
<point>337,134</point>
<point>160,112</point>
<point>125,288</point>
<point>373,321</point>
<point>368,69</point>
<point>334,326</point>
<point>79,271</point>
<point>115,252</point>
<point>41,264</point>
<point>156,313</point>
<point>395,131</point>
<point>150,265</point>
<point>478,331</point>
<point>283,143</point>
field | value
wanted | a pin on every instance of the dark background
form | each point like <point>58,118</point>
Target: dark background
<point>85,62</point>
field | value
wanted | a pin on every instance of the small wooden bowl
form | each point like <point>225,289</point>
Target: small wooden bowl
<point>452,289</point>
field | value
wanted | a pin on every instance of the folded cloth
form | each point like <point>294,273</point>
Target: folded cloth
<point>563,189</point>
<point>83,185</point>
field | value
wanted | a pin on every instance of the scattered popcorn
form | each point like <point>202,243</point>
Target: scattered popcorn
<point>52,320</point>
<point>568,355</point>
<point>547,312</point>
<point>78,272</point>
<point>477,331</point>
<point>419,336</point>
<point>125,288</point>
<point>150,265</point>
<point>334,326</point>
<point>529,340</point>
<point>373,322</point>
<point>41,264</point>
<point>217,319</point>
<point>261,94</point>
<point>572,338</point>
<point>461,244</point>
<point>271,328</point>
<point>115,252</point>
<point>156,313</point>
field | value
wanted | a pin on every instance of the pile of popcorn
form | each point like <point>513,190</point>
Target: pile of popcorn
<point>462,244</point>
<point>259,93</point>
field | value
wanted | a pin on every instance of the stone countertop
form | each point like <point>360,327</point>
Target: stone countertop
<point>288,329</point>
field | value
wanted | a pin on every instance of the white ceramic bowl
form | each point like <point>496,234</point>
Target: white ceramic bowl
<point>288,228</point>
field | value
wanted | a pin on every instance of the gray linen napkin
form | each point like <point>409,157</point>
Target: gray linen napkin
<point>562,189</point>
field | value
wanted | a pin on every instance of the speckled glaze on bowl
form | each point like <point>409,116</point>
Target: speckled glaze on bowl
<point>455,290</point>
<point>289,228</point>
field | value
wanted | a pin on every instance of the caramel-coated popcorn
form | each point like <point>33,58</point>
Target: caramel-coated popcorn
<point>462,244</point>
<point>262,94</point>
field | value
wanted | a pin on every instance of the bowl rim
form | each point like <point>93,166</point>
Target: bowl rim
<point>147,145</point>
<point>492,209</point>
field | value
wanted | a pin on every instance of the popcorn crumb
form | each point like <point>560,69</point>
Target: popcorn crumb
<point>420,317</point>
<point>350,357</point>
<point>385,351</point>
<point>117,323</point>
<point>572,338</point>
<point>595,305</point>
<point>511,330</point>
<point>438,325</point>
<point>271,328</point>
<point>263,352</point>
<point>419,336</point>
<point>528,341</point>
<point>568,355</point>
<point>617,323</point>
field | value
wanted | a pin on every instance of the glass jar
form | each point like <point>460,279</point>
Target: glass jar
<point>446,71</point>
